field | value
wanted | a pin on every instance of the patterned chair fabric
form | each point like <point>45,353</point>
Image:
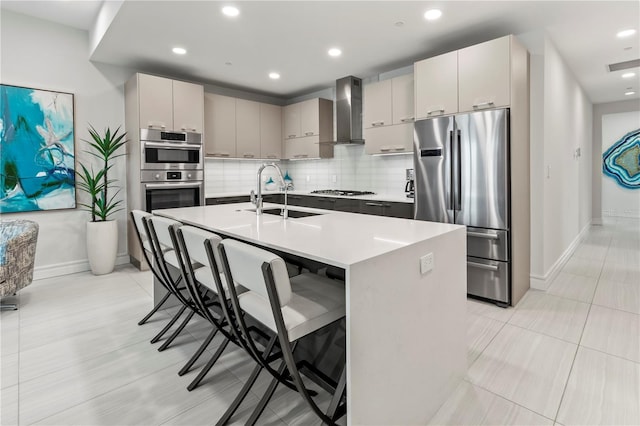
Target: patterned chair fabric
<point>17,254</point>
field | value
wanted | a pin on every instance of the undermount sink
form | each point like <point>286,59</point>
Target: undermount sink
<point>291,213</point>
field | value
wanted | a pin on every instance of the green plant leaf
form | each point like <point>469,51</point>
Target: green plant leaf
<point>97,184</point>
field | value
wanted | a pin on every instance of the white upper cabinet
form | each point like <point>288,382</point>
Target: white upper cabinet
<point>470,79</point>
<point>291,121</point>
<point>310,117</point>
<point>170,104</point>
<point>484,75</point>
<point>237,128</point>
<point>188,106</point>
<point>402,99</point>
<point>220,125</point>
<point>306,126</point>
<point>301,148</point>
<point>388,116</point>
<point>270,131</point>
<point>436,86</point>
<point>155,95</point>
<point>377,104</point>
<point>247,129</point>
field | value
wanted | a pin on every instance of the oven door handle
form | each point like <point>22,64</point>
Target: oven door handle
<point>172,145</point>
<point>172,184</point>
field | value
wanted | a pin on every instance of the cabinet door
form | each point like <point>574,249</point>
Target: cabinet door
<point>483,75</point>
<point>389,139</point>
<point>377,104</point>
<point>220,125</point>
<point>402,99</point>
<point>291,121</point>
<point>401,210</point>
<point>299,148</point>
<point>270,131</point>
<point>378,208</point>
<point>156,102</point>
<point>436,85</point>
<point>188,106</point>
<point>247,129</point>
<point>310,117</point>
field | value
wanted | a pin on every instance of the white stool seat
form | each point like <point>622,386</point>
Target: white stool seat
<point>315,302</point>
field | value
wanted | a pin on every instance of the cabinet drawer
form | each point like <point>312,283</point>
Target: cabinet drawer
<point>488,279</point>
<point>488,243</point>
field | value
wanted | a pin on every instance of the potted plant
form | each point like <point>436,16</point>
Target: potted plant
<point>102,231</point>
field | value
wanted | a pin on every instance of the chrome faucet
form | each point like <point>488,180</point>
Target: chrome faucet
<point>257,199</point>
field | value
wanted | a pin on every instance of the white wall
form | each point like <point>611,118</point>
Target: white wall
<point>600,111</point>
<point>561,181</point>
<point>617,200</point>
<point>40,54</point>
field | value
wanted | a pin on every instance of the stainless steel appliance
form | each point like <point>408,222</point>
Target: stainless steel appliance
<point>164,150</point>
<point>171,189</point>
<point>409,187</point>
<point>462,176</point>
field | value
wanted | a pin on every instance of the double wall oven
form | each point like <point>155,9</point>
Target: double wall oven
<point>171,169</point>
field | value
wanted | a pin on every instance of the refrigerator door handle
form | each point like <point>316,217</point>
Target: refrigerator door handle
<point>458,184</point>
<point>452,180</point>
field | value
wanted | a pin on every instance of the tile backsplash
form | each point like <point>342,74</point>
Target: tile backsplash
<point>350,168</point>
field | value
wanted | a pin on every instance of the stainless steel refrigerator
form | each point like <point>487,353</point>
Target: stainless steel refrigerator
<point>461,167</point>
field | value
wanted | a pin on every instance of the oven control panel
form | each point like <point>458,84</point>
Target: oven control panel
<point>171,176</point>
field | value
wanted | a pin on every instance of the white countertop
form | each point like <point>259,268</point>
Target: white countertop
<point>335,238</point>
<point>395,198</point>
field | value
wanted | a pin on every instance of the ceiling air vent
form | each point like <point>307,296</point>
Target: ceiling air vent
<point>624,65</point>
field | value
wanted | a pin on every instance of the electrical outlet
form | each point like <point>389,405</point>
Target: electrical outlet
<point>308,178</point>
<point>334,178</point>
<point>426,263</point>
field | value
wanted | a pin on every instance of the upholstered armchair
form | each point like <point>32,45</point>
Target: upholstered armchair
<point>17,256</point>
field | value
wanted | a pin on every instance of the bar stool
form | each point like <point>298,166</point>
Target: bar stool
<point>158,230</point>
<point>137,218</point>
<point>202,283</point>
<point>290,308</point>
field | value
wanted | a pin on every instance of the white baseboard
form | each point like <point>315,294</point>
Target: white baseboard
<point>543,282</point>
<point>59,269</point>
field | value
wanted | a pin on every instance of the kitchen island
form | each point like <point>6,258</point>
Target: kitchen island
<point>405,328</point>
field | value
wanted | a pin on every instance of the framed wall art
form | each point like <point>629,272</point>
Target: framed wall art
<point>37,151</point>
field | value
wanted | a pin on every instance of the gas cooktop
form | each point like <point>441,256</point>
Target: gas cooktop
<point>346,192</point>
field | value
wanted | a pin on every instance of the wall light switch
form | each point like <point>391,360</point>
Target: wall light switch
<point>426,263</point>
<point>308,178</point>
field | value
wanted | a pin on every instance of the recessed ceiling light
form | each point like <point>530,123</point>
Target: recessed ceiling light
<point>179,50</point>
<point>334,51</point>
<point>626,33</point>
<point>433,14</point>
<point>630,93</point>
<point>230,11</point>
<point>628,75</point>
<point>274,75</point>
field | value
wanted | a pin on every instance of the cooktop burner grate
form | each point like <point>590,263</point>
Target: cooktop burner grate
<point>346,192</point>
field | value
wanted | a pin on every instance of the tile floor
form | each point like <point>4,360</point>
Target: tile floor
<point>73,353</point>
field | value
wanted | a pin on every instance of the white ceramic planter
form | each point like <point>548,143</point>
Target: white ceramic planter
<point>102,246</point>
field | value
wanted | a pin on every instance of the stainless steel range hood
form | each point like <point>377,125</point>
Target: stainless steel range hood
<point>349,111</point>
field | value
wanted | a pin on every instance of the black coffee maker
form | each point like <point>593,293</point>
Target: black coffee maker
<point>409,187</point>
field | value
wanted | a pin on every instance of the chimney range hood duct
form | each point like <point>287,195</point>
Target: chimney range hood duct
<point>349,111</point>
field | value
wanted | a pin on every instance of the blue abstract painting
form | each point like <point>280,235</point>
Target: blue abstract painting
<point>36,150</point>
<point>622,160</point>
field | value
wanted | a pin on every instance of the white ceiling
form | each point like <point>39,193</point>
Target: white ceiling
<point>292,38</point>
